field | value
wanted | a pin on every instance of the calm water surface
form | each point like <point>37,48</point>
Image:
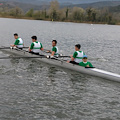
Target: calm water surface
<point>30,90</point>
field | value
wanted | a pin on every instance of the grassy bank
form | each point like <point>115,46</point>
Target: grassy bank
<point>90,22</point>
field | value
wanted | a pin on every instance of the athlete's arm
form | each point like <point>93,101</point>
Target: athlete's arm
<point>49,51</point>
<point>42,49</point>
<point>31,47</point>
<point>12,45</point>
<point>74,56</point>
<point>53,52</point>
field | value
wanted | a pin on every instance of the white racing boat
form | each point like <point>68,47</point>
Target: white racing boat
<point>63,64</point>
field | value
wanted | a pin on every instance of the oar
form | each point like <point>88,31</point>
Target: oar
<point>59,55</point>
<point>8,47</point>
<point>64,56</point>
<point>27,51</point>
<point>18,57</point>
<point>39,56</point>
<point>44,56</point>
<point>5,48</point>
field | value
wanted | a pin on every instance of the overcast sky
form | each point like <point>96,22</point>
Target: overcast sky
<point>61,1</point>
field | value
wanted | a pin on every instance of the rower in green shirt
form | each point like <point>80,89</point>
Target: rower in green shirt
<point>85,63</point>
<point>55,51</point>
<point>18,42</point>
<point>76,58</point>
<point>35,46</point>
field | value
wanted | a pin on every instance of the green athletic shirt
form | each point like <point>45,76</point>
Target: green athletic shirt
<point>75,54</point>
<point>54,49</point>
<point>16,42</point>
<point>32,45</point>
<point>85,64</point>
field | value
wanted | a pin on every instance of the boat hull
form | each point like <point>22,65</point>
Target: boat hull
<point>89,71</point>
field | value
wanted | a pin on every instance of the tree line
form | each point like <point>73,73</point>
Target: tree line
<point>55,13</point>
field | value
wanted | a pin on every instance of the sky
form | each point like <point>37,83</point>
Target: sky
<point>62,1</point>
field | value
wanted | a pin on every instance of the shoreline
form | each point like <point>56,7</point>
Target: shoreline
<point>85,22</point>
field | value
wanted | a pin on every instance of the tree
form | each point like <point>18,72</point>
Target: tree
<point>53,10</point>
<point>30,13</point>
<point>78,14</point>
<point>94,13</point>
<point>17,12</point>
<point>67,11</point>
<point>37,15</point>
<point>91,14</point>
<point>109,18</point>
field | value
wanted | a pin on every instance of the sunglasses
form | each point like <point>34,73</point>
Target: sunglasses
<point>84,58</point>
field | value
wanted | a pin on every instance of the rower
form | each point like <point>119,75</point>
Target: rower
<point>18,43</point>
<point>76,58</point>
<point>35,46</point>
<point>55,50</point>
<point>85,63</point>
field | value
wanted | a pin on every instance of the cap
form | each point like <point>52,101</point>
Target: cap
<point>85,56</point>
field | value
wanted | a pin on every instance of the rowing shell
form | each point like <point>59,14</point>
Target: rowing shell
<point>89,71</point>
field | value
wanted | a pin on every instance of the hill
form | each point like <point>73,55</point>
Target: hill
<point>44,5</point>
<point>97,4</point>
<point>41,2</point>
<point>115,9</point>
<point>24,6</point>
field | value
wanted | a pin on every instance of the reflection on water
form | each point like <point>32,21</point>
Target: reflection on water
<point>31,90</point>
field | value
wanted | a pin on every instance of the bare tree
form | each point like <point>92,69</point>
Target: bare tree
<point>17,12</point>
<point>54,9</point>
<point>78,14</point>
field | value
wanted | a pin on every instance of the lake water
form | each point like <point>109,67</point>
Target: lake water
<point>30,90</point>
